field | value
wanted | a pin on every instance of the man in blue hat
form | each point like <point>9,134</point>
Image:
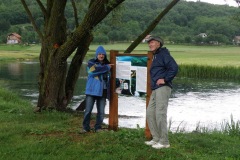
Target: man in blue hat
<point>97,88</point>
<point>162,71</point>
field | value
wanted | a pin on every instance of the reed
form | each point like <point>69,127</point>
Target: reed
<point>231,128</point>
<point>213,72</point>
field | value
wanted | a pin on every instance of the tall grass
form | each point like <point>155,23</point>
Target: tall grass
<point>231,128</point>
<point>215,72</point>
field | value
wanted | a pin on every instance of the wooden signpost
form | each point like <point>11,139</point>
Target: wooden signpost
<point>113,103</point>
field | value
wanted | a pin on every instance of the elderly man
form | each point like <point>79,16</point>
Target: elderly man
<point>163,69</point>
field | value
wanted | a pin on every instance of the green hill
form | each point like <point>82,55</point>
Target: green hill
<point>181,25</point>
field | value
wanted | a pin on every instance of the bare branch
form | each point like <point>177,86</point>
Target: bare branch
<point>44,11</point>
<point>32,19</point>
<point>75,13</point>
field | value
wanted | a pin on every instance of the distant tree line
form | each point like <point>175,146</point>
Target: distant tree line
<point>182,24</point>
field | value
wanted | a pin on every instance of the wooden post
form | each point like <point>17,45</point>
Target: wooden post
<point>113,103</point>
<point>149,91</point>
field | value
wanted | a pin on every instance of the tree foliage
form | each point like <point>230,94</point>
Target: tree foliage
<point>187,18</point>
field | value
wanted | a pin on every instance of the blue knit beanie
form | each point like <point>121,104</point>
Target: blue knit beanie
<point>101,50</point>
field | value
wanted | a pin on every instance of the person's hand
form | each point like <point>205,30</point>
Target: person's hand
<point>160,81</point>
<point>110,65</point>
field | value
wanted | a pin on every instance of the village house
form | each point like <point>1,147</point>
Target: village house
<point>236,40</point>
<point>203,35</point>
<point>13,38</point>
<point>146,38</point>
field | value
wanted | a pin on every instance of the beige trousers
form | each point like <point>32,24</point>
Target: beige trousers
<point>157,114</point>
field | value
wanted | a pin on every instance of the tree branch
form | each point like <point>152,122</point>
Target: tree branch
<point>91,2</point>
<point>151,26</point>
<point>75,13</point>
<point>32,19</point>
<point>98,10</point>
<point>44,11</point>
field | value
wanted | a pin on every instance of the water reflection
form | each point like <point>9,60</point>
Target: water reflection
<point>193,102</point>
<point>23,77</point>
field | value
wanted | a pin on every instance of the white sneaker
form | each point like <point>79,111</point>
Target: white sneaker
<point>150,143</point>
<point>159,146</point>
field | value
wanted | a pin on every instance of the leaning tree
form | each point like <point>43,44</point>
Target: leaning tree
<point>56,80</point>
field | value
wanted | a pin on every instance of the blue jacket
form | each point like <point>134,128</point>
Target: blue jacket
<point>98,75</point>
<point>163,67</point>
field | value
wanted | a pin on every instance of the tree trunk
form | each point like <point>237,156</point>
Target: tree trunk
<point>52,83</point>
<point>51,78</point>
<point>53,67</point>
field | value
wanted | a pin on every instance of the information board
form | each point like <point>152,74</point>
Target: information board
<point>131,75</point>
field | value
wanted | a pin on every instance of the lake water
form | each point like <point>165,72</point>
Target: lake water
<point>206,103</point>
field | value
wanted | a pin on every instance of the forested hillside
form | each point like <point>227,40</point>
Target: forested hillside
<point>181,25</point>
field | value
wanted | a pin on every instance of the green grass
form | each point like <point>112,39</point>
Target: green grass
<point>231,128</point>
<point>184,54</point>
<point>55,136</point>
<point>206,55</point>
<point>18,52</point>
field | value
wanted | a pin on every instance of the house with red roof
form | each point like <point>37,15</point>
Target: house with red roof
<point>13,38</point>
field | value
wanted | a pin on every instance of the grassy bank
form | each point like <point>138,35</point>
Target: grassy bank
<point>54,135</point>
<point>19,52</point>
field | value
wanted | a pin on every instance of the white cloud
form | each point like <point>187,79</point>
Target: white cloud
<point>220,2</point>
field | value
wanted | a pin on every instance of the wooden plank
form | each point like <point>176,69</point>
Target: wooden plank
<point>149,91</point>
<point>113,103</point>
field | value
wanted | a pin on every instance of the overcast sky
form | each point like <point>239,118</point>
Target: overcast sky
<point>229,2</point>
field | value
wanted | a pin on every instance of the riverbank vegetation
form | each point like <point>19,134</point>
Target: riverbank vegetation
<point>213,72</point>
<point>55,135</point>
